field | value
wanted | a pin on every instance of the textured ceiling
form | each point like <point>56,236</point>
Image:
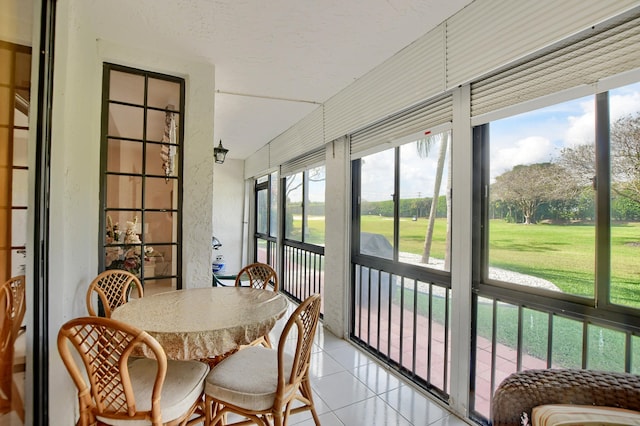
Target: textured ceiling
<point>276,60</point>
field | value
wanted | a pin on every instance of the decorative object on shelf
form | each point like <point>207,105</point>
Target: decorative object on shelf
<point>215,243</point>
<point>219,153</point>
<point>124,251</point>
<point>217,264</point>
<point>168,149</point>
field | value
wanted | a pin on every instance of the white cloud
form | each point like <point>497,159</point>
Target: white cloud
<point>416,179</point>
<point>533,137</point>
<point>377,176</point>
<point>581,128</point>
<point>530,150</point>
<point>623,103</point>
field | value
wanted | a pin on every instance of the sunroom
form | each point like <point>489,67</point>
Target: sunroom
<point>468,208</point>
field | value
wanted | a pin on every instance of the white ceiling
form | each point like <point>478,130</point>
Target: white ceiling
<point>275,60</point>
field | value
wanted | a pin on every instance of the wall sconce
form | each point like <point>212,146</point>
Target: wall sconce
<point>215,243</point>
<point>219,153</point>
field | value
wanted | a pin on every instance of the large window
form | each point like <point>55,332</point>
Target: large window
<point>304,200</point>
<point>304,225</point>
<point>141,183</point>
<point>563,213</point>
<point>405,203</point>
<point>265,238</point>
<point>624,123</point>
<point>401,285</point>
<point>559,232</point>
<point>541,225</point>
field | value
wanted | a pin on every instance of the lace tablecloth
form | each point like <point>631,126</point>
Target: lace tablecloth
<point>204,322</point>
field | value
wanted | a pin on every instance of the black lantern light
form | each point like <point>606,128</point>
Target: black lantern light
<point>219,153</point>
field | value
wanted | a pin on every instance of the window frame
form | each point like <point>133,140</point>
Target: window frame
<point>265,183</point>
<point>578,307</point>
<point>304,207</point>
<point>104,141</point>
<point>422,273</point>
<point>442,277</point>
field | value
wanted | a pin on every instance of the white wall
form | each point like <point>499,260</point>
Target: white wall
<point>336,295</point>
<point>75,174</point>
<point>228,214</point>
<point>75,167</point>
<point>75,153</point>
<point>16,21</point>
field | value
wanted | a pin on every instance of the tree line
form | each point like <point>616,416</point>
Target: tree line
<point>408,207</point>
<point>564,189</point>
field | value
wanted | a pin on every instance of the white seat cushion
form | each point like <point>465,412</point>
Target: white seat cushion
<point>247,379</point>
<point>182,387</point>
<point>582,415</point>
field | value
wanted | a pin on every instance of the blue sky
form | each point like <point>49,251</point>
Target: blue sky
<point>528,138</point>
<point>538,136</point>
<point>417,177</point>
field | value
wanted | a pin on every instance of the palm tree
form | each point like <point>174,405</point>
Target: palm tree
<point>424,146</point>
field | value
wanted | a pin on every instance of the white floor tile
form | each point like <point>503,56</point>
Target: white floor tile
<point>413,405</point>
<point>327,419</point>
<point>341,389</point>
<point>349,357</point>
<point>322,364</point>
<point>371,412</point>
<point>376,378</point>
<point>451,420</point>
<point>328,341</point>
<point>351,389</point>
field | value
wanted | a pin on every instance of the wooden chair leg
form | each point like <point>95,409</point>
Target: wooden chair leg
<point>277,418</point>
<point>305,390</point>
<point>267,342</point>
<point>16,401</point>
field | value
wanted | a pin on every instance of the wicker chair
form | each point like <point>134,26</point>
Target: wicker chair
<point>12,310</point>
<point>259,275</point>
<point>260,383</point>
<point>113,288</point>
<point>522,391</point>
<point>122,388</point>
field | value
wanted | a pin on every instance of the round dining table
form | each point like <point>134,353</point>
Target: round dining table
<point>204,323</point>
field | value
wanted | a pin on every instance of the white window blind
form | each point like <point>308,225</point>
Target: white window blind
<point>303,163</point>
<point>605,50</point>
<point>420,117</point>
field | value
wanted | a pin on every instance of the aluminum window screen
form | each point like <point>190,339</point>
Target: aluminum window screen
<point>602,52</point>
<point>413,120</point>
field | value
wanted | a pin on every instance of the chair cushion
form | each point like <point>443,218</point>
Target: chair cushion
<point>582,415</point>
<point>247,379</point>
<point>182,387</point>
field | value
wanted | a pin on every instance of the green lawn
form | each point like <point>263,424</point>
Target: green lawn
<point>561,254</point>
<point>606,347</point>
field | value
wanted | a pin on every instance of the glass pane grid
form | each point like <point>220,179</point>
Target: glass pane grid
<point>541,230</point>
<point>512,337</point>
<point>405,322</point>
<point>141,179</point>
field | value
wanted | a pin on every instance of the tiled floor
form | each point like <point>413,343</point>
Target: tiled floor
<point>352,389</point>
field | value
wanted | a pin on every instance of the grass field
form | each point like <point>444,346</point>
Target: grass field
<point>606,347</point>
<point>561,254</point>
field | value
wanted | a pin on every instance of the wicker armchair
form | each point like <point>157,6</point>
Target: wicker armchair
<point>259,275</point>
<point>113,288</point>
<point>260,383</point>
<point>115,388</point>
<point>12,310</point>
<point>522,391</point>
